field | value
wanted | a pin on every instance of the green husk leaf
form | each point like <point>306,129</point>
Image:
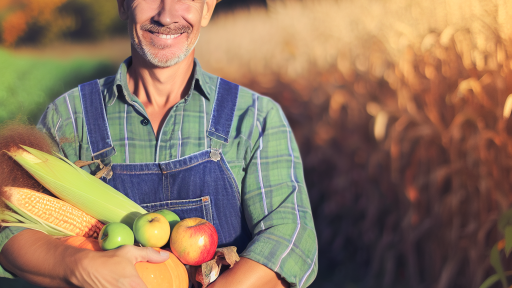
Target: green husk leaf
<point>43,225</point>
<point>8,216</point>
<point>27,217</point>
<point>43,229</point>
<point>79,188</point>
<point>69,163</point>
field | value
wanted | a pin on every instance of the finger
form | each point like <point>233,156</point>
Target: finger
<point>151,255</point>
<point>135,282</point>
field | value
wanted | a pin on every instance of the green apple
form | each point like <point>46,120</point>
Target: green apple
<point>114,235</point>
<point>171,217</point>
<point>151,230</point>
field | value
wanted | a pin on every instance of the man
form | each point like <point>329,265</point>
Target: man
<point>213,150</point>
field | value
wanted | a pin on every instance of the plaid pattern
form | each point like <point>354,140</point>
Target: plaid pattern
<point>262,153</point>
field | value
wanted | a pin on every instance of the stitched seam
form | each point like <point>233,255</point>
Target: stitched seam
<point>109,138</point>
<point>145,172</point>
<point>167,180</point>
<point>189,156</point>
<point>187,206</point>
<point>179,132</point>
<point>172,206</point>
<point>175,201</point>
<point>126,152</point>
<point>234,112</point>
<point>219,135</point>
<point>104,150</point>
<point>204,212</point>
<point>231,176</point>
<point>214,104</point>
<point>185,167</point>
<point>210,210</point>
<point>204,110</point>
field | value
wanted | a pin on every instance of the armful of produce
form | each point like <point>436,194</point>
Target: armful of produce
<point>21,192</point>
<point>86,203</point>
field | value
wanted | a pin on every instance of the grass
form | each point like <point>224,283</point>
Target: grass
<point>30,83</point>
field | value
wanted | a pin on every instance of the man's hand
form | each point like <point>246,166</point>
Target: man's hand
<point>115,268</point>
<point>45,261</point>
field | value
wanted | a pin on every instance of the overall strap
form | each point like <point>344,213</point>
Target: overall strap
<point>223,111</point>
<point>95,118</point>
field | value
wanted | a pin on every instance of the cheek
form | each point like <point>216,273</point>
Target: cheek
<point>192,13</point>
<point>141,12</point>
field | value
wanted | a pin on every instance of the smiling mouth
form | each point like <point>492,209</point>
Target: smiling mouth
<point>166,36</point>
<point>166,32</point>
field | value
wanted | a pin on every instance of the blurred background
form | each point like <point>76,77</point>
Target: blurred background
<point>401,109</point>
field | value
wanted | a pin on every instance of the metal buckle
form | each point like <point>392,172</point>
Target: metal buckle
<point>215,155</point>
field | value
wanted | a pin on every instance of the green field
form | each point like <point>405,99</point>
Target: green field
<point>29,83</point>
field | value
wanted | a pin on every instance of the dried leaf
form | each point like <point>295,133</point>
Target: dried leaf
<point>209,271</point>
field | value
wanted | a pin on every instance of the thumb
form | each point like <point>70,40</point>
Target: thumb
<point>148,254</point>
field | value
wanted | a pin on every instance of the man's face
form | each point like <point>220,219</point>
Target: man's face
<point>164,32</point>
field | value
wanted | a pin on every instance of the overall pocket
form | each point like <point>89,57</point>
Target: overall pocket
<point>199,207</point>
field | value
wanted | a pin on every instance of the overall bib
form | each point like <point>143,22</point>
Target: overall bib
<point>199,185</point>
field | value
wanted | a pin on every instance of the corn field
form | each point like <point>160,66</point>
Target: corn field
<point>402,113</point>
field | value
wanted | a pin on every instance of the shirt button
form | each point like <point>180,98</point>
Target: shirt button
<point>144,122</point>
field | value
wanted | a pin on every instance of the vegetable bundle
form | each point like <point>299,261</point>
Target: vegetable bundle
<point>77,187</point>
<point>86,203</point>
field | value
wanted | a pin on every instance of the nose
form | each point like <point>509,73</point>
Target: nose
<point>168,12</point>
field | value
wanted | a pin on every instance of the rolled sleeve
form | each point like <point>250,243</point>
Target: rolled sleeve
<point>276,202</point>
<point>6,233</point>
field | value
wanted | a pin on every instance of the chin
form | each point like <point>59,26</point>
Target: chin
<point>162,57</point>
<point>164,62</point>
<point>158,56</point>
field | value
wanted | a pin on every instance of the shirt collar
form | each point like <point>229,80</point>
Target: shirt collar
<point>202,84</point>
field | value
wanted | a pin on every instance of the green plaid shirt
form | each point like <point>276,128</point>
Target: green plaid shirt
<point>262,153</point>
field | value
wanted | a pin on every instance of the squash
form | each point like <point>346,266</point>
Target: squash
<point>170,274</point>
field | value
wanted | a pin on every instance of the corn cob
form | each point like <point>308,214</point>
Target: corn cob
<point>52,212</point>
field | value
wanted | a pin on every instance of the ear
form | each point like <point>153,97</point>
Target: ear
<point>123,11</point>
<point>209,6</point>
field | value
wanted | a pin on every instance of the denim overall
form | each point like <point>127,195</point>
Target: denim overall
<point>199,185</point>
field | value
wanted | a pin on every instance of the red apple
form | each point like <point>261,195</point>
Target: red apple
<point>194,241</point>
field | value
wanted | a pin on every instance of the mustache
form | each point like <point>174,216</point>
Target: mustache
<point>168,30</point>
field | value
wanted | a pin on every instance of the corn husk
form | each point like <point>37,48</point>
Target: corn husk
<point>77,187</point>
<point>21,218</point>
<point>49,214</point>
